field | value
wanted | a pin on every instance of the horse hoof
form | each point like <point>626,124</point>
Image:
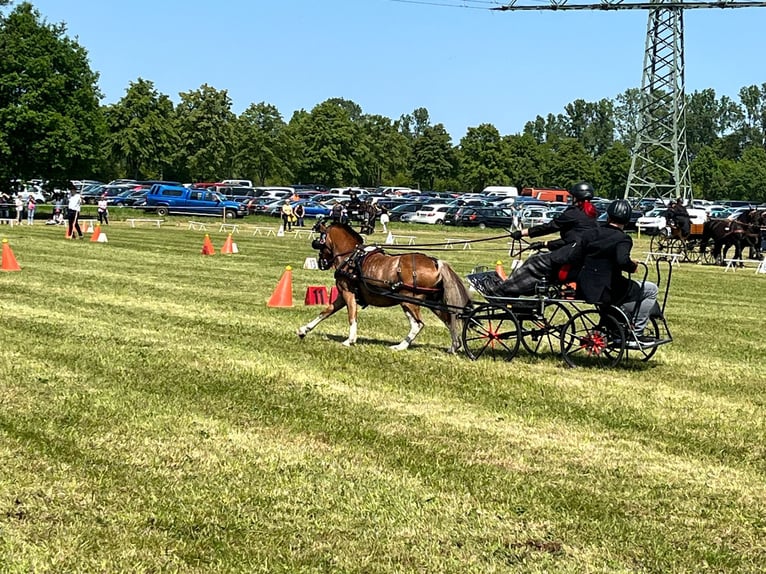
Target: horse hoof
<point>399,347</point>
<point>300,333</point>
<point>347,343</point>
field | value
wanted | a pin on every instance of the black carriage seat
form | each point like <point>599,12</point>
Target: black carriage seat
<point>485,282</point>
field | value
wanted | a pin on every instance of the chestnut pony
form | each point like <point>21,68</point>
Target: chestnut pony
<point>368,276</point>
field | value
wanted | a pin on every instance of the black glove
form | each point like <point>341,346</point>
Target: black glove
<point>516,234</point>
<point>537,245</point>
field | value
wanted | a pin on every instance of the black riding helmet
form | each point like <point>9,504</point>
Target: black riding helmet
<point>619,211</point>
<point>582,191</point>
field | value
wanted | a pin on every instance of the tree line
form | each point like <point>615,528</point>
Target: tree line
<point>53,126</point>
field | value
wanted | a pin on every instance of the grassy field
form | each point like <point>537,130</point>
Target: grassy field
<point>156,416</point>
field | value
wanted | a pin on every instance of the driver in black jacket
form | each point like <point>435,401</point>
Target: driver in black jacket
<point>573,221</point>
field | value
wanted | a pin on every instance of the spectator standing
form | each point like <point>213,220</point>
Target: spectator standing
<point>73,213</point>
<point>300,213</point>
<point>287,215</point>
<point>19,207</point>
<point>103,211</point>
<point>31,205</point>
<point>384,218</point>
<point>5,205</point>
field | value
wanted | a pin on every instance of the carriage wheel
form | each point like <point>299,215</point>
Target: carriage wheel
<point>659,245</point>
<point>541,333</point>
<point>691,251</point>
<point>652,329</point>
<point>492,332</point>
<point>708,258</point>
<point>592,339</point>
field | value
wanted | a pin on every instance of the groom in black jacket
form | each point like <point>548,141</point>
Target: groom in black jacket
<point>603,253</point>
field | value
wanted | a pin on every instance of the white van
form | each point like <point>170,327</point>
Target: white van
<point>238,182</point>
<point>347,191</point>
<point>501,191</point>
<point>275,192</point>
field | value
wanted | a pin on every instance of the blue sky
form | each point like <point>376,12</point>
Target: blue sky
<point>466,66</point>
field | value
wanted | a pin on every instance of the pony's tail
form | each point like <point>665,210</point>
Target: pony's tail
<point>455,294</point>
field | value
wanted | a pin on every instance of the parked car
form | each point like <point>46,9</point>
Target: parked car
<point>173,199</point>
<point>535,215</point>
<point>652,222</point>
<point>433,214</point>
<point>480,217</point>
<point>396,213</point>
<point>311,208</point>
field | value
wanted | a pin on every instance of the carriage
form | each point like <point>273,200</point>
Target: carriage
<point>745,231</point>
<point>671,243</point>
<point>553,321</point>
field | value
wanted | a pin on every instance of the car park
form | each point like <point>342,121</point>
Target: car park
<point>481,217</point>
<point>652,222</point>
<point>535,215</point>
<point>433,214</point>
<point>396,213</point>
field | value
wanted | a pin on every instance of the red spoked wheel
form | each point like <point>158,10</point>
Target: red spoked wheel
<point>490,331</point>
<point>592,339</point>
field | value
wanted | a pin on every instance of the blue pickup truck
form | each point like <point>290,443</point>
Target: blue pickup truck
<point>179,200</point>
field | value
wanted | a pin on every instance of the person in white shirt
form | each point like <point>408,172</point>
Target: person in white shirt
<point>73,215</point>
<point>103,212</point>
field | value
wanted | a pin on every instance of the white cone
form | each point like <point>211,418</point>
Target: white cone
<point>90,228</point>
<point>281,231</point>
<point>310,263</point>
<point>101,238</point>
<point>390,239</point>
<point>234,248</point>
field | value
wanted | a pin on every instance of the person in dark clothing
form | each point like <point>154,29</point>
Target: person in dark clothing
<point>570,224</point>
<point>552,266</point>
<point>337,212</point>
<point>601,255</point>
<point>679,216</point>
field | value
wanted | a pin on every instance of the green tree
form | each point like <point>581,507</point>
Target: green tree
<point>526,159</point>
<point>612,169</point>
<point>328,144</point>
<point>142,136</point>
<point>748,180</point>
<point>753,100</point>
<point>205,130</point>
<point>384,152</point>
<point>433,156</point>
<point>626,116</point>
<point>51,124</point>
<point>570,162</point>
<point>482,157</point>
<point>263,148</point>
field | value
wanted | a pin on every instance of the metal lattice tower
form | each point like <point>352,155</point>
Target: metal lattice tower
<point>659,164</point>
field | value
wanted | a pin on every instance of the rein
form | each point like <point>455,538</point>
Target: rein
<point>440,246</point>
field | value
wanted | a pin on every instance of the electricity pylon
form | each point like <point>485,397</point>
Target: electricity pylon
<point>659,165</point>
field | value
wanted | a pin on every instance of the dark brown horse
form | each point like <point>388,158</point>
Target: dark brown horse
<point>368,276</point>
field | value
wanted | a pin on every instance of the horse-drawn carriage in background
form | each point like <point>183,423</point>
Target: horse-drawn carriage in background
<point>671,242</point>
<point>746,231</point>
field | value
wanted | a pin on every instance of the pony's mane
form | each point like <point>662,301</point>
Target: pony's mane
<point>350,230</point>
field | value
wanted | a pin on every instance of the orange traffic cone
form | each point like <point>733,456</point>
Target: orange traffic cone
<point>207,246</point>
<point>9,259</point>
<point>227,248</point>
<point>96,233</point>
<point>283,294</point>
<point>500,271</point>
